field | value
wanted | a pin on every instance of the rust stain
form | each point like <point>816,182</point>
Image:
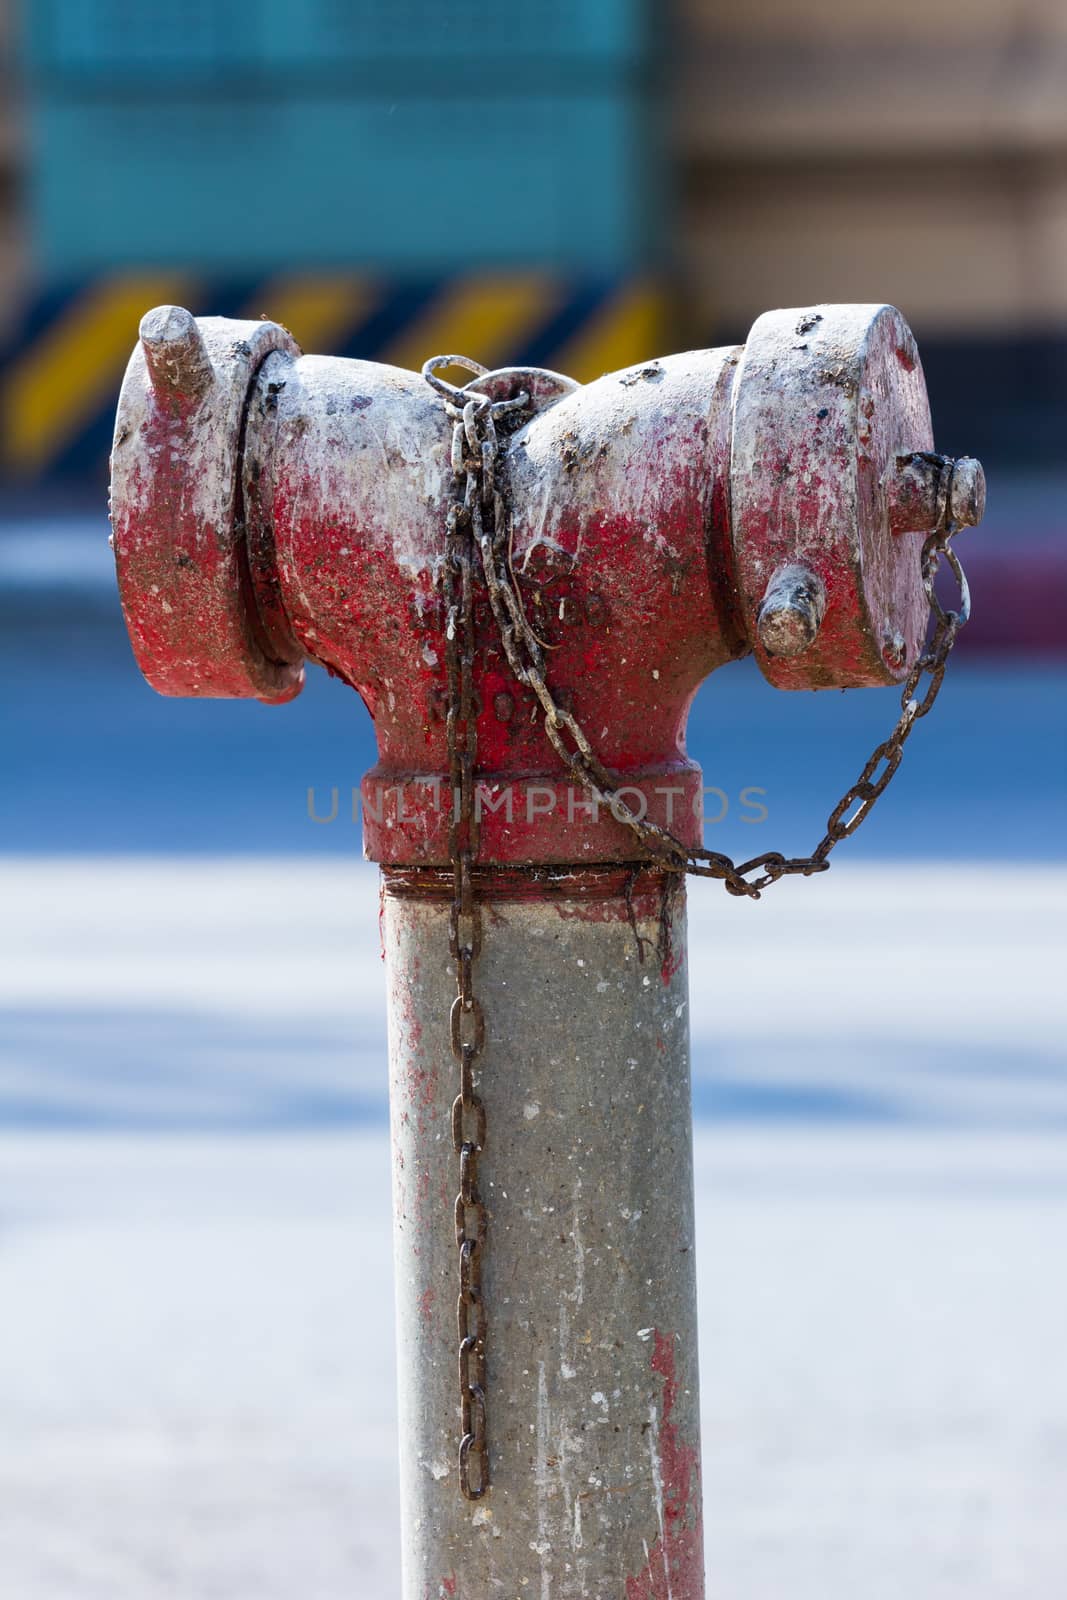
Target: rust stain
<point>594,886</point>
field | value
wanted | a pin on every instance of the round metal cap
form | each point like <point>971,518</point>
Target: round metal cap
<point>176,513</point>
<point>826,401</point>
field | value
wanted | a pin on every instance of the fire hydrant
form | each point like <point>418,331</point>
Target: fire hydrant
<point>527,581</point>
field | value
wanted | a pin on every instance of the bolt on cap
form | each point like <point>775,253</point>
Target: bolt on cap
<point>791,612</point>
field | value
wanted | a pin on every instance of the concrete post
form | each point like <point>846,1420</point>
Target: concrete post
<point>589,1275</point>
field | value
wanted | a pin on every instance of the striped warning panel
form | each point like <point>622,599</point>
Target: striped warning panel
<point>62,368</point>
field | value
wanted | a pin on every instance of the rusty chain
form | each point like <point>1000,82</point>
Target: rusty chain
<point>474,452</point>
<point>478,522</point>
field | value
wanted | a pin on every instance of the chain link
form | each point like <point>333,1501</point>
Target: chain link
<point>477,524</point>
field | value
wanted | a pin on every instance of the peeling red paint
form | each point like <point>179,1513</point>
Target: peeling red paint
<point>422,1082</point>
<point>426,1300</point>
<point>675,1567</point>
<point>671,964</point>
<point>645,906</point>
<point>422,1204</point>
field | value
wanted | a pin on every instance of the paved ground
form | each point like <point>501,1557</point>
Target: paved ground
<point>196,1388</point>
<point>196,1384</point>
<point>213,995</point>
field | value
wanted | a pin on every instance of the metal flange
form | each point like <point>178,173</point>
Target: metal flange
<point>830,409</point>
<point>176,511</point>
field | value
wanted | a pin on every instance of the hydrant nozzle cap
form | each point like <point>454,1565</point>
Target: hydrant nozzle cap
<point>923,490</point>
<point>180,540</point>
<point>966,503</point>
<point>833,467</point>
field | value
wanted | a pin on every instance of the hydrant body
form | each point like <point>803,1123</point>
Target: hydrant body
<point>269,507</point>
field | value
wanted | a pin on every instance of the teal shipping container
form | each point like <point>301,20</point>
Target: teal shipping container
<point>395,135</point>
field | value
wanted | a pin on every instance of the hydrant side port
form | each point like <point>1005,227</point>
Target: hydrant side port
<point>176,510</point>
<point>830,404</point>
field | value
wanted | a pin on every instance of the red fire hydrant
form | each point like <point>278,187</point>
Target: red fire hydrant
<point>527,581</point>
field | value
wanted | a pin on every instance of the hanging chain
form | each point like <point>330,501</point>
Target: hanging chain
<point>471,514</point>
<point>477,523</point>
<point>527,660</point>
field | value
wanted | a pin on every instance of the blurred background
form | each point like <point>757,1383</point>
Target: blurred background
<point>193,1141</point>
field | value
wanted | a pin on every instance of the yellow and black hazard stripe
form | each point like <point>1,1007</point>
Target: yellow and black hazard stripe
<point>64,363</point>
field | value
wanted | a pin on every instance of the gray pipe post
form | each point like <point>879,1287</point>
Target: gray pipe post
<point>527,582</point>
<point>589,1277</point>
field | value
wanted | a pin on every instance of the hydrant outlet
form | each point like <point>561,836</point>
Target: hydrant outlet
<point>832,467</point>
<point>177,510</point>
